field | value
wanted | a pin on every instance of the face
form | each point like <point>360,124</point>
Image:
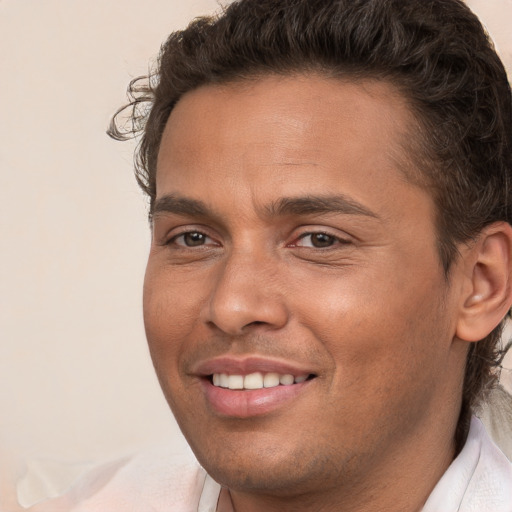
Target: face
<point>295,305</point>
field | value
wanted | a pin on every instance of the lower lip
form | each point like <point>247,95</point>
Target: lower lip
<point>248,403</point>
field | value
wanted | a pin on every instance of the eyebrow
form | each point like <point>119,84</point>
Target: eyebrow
<point>316,205</point>
<point>180,206</point>
<point>306,205</point>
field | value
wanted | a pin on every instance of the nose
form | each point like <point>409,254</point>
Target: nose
<point>246,295</point>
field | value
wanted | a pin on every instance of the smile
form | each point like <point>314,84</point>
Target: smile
<point>250,386</point>
<point>256,380</point>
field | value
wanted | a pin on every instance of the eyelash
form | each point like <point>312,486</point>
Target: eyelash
<point>335,240</point>
<point>173,239</point>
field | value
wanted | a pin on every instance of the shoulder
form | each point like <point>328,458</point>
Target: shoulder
<point>490,485</point>
<point>157,480</point>
<point>478,480</point>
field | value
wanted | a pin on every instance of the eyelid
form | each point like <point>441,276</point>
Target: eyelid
<point>173,240</point>
<point>172,235</point>
<point>339,239</point>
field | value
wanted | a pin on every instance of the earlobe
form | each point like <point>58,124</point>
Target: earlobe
<point>488,294</point>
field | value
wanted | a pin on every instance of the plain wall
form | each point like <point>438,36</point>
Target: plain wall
<point>76,378</point>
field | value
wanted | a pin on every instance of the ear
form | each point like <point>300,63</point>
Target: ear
<point>487,294</point>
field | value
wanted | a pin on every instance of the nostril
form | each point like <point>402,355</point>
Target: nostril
<point>236,310</point>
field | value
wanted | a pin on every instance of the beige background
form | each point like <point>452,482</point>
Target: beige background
<point>76,382</point>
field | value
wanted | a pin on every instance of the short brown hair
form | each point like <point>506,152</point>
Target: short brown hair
<point>435,51</point>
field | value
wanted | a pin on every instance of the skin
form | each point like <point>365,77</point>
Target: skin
<point>368,312</point>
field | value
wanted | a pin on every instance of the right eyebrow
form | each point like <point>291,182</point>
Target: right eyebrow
<point>179,206</point>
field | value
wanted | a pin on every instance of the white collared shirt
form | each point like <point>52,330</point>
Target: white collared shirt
<point>478,480</point>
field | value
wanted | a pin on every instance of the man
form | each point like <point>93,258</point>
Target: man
<point>330,260</point>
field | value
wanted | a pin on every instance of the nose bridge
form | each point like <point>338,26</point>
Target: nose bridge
<point>246,293</point>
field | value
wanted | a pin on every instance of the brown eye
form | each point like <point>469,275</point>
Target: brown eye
<point>193,239</point>
<point>317,240</point>
<point>322,240</point>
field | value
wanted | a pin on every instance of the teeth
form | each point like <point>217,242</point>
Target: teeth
<point>256,380</point>
<point>286,379</point>
<point>253,381</point>
<point>271,380</point>
<point>236,382</point>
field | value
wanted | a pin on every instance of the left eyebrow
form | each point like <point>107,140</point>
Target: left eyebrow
<point>316,205</point>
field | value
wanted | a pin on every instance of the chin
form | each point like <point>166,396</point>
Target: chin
<point>280,469</point>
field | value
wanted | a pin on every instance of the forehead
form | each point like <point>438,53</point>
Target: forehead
<point>301,133</point>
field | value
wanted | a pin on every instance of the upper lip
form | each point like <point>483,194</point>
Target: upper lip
<point>249,364</point>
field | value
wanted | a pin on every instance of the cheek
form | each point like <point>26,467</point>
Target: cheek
<point>171,300</point>
<point>370,325</point>
<point>167,316</point>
